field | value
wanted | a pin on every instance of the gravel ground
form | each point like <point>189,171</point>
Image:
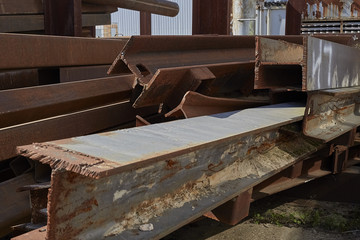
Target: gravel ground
<point>279,218</point>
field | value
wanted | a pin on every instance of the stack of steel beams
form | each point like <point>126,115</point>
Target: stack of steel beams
<point>264,116</point>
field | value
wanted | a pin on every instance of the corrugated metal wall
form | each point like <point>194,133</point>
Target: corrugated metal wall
<point>128,22</point>
<point>179,25</point>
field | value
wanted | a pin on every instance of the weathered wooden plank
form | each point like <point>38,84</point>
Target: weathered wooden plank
<point>24,23</point>
<point>33,51</point>
<point>20,7</point>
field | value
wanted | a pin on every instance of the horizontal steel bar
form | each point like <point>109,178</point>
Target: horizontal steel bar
<point>174,51</point>
<point>33,51</point>
<point>195,104</point>
<point>161,7</point>
<point>331,113</point>
<point>68,125</point>
<point>8,7</point>
<point>185,172</point>
<point>26,23</point>
<point>19,78</point>
<point>34,103</point>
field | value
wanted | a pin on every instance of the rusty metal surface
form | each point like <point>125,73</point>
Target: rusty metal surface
<point>331,113</point>
<point>161,7</point>
<point>195,104</point>
<point>18,78</point>
<point>174,51</point>
<point>34,103</point>
<point>126,155</point>
<point>62,18</point>
<point>170,84</point>
<point>318,63</point>
<point>71,74</point>
<point>28,51</point>
<point>68,125</point>
<point>36,7</point>
<point>187,171</point>
<point>331,10</point>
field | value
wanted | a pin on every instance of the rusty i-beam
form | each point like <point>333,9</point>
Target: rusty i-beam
<point>106,187</point>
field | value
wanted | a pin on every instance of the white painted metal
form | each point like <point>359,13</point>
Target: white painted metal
<point>179,25</point>
<point>128,22</point>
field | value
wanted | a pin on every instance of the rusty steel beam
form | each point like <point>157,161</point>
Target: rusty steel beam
<point>169,85</point>
<point>35,23</point>
<point>35,7</point>
<point>312,64</point>
<point>161,7</point>
<point>104,186</point>
<point>18,78</point>
<point>34,103</point>
<point>63,18</point>
<point>71,74</point>
<point>175,51</point>
<point>211,17</point>
<point>195,104</point>
<point>331,113</point>
<point>33,51</point>
<point>68,125</point>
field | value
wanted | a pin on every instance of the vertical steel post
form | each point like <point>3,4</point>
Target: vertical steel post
<point>63,17</point>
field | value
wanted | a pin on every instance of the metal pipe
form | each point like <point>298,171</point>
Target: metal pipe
<point>161,7</point>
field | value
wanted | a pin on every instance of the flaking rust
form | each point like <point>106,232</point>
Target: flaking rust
<point>81,207</point>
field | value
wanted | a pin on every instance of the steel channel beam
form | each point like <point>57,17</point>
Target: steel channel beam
<point>331,113</point>
<point>104,186</point>
<point>168,85</point>
<point>174,51</point>
<point>161,7</point>
<point>34,103</point>
<point>31,51</point>
<point>68,125</point>
<point>195,104</point>
<point>307,65</point>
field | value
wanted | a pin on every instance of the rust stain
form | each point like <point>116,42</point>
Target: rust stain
<point>86,206</point>
<point>262,148</point>
<point>214,167</point>
<point>170,164</point>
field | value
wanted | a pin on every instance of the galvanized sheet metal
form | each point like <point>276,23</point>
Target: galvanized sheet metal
<point>331,65</point>
<point>117,149</point>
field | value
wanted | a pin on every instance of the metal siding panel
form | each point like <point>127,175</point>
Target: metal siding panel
<point>128,22</point>
<point>179,25</point>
